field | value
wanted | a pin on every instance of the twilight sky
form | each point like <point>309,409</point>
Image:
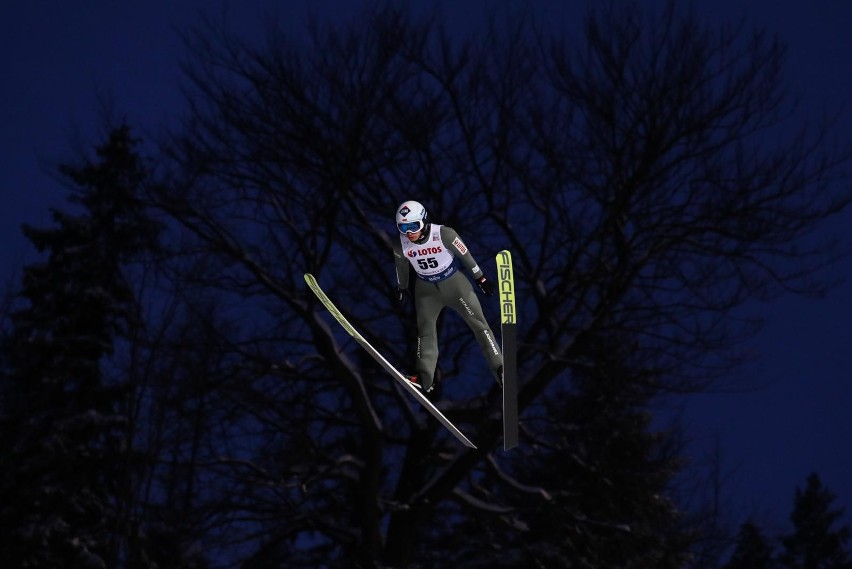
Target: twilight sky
<point>57,57</point>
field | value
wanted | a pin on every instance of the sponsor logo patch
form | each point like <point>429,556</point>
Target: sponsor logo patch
<point>459,244</point>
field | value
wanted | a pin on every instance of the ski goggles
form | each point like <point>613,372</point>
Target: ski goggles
<point>410,226</point>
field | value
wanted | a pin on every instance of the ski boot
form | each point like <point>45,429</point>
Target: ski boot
<point>420,384</point>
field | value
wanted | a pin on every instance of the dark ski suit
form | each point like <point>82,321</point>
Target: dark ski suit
<point>437,261</point>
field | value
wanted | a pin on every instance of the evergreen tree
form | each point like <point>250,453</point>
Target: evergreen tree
<point>753,551</point>
<point>814,542</point>
<point>64,430</point>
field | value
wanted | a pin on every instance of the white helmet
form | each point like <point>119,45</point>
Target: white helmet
<point>410,217</point>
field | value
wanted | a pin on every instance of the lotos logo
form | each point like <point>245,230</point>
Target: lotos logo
<point>412,253</point>
<point>428,251</point>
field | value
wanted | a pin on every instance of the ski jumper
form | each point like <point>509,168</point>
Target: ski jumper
<point>440,284</point>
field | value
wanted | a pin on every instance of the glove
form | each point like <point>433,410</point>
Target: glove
<point>485,286</point>
<point>402,295</point>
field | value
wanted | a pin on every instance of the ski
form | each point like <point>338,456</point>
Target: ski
<point>407,385</point>
<point>508,333</point>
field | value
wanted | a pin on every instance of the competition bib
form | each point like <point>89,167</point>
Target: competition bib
<point>431,260</point>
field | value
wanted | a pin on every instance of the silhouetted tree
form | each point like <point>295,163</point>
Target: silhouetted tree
<point>64,437</point>
<point>752,551</point>
<point>644,179</point>
<point>172,365</point>
<point>595,495</point>
<point>816,541</point>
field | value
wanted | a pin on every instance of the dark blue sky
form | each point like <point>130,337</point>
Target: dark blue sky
<point>57,57</point>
